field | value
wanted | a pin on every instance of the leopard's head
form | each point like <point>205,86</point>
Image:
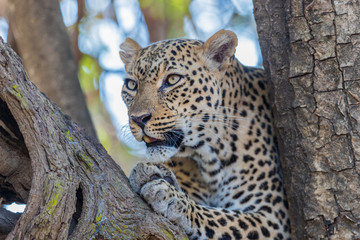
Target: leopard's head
<point>171,89</point>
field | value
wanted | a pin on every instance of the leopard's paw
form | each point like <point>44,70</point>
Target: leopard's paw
<point>165,199</point>
<point>157,185</point>
<point>145,172</point>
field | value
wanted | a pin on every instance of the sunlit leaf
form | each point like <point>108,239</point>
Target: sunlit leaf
<point>89,73</point>
<point>171,11</point>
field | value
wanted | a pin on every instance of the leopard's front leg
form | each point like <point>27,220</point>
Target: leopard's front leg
<point>157,185</point>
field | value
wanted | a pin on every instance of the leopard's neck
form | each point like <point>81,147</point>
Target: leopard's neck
<point>242,128</point>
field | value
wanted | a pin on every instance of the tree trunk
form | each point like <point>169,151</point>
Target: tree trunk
<point>77,190</point>
<point>44,44</point>
<point>312,57</point>
<point>156,26</point>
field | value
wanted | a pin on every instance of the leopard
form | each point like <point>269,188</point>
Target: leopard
<point>212,163</point>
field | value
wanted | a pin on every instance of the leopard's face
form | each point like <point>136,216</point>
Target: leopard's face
<point>170,90</point>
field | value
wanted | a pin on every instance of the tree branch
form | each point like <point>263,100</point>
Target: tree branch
<point>73,177</point>
<point>7,221</point>
<point>44,45</point>
<point>15,166</point>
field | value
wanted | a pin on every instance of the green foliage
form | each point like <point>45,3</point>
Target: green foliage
<point>89,73</point>
<point>171,11</point>
<point>167,9</point>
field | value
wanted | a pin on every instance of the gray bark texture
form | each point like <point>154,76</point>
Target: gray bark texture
<point>45,47</point>
<point>72,187</point>
<point>311,54</point>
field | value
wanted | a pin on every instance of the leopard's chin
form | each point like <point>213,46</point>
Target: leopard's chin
<point>160,153</point>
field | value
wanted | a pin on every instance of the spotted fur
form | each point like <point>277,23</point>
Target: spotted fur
<point>208,118</point>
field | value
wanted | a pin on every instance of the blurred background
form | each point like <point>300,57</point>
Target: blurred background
<point>98,27</point>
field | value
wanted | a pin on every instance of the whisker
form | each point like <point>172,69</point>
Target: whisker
<point>211,133</point>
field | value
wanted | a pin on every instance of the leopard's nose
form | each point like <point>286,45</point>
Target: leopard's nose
<point>141,120</point>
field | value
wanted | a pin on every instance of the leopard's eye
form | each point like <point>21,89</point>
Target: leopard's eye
<point>131,84</point>
<point>173,79</point>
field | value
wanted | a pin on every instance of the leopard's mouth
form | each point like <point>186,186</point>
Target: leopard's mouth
<point>173,138</point>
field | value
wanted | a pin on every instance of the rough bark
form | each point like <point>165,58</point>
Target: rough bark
<point>74,181</point>
<point>312,56</point>
<point>44,44</point>
<point>7,221</point>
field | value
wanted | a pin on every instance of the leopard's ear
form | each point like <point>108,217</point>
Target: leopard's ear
<point>128,51</point>
<point>219,48</point>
